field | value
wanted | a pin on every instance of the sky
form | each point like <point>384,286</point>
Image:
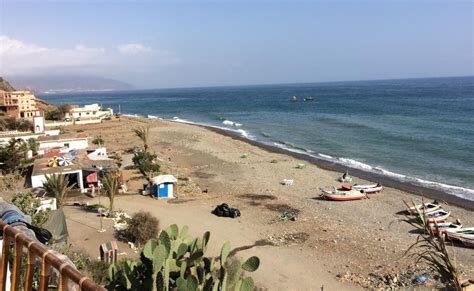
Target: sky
<point>162,44</point>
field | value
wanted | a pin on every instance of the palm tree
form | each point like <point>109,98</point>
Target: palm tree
<point>143,133</point>
<point>58,186</point>
<point>110,184</point>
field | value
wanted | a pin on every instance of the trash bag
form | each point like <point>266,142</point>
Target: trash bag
<point>224,210</point>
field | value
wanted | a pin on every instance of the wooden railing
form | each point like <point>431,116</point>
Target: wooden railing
<point>36,251</point>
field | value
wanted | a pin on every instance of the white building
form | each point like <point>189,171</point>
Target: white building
<point>78,143</point>
<point>92,111</point>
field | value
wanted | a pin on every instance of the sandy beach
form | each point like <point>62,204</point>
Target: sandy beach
<point>338,245</point>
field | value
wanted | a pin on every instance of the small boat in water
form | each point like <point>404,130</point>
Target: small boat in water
<point>294,98</point>
<point>309,98</point>
<point>437,215</point>
<point>464,235</point>
<point>342,194</point>
<point>368,188</point>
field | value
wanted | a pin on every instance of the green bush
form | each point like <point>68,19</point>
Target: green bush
<point>97,271</point>
<point>28,205</point>
<point>176,261</point>
<point>146,163</point>
<point>142,227</point>
<point>98,140</point>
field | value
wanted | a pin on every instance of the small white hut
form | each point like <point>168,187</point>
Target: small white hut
<point>164,186</point>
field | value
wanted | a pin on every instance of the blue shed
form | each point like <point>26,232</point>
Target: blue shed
<point>164,186</point>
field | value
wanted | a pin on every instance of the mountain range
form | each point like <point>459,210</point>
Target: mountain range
<point>56,83</point>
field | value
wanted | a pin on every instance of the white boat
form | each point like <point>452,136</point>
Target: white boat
<point>342,195</point>
<point>437,215</point>
<point>368,188</point>
<point>464,235</point>
<point>441,228</point>
<point>426,207</point>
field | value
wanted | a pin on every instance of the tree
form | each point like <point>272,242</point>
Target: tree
<point>59,113</point>
<point>146,163</point>
<point>58,186</point>
<point>111,187</point>
<point>12,156</point>
<point>143,133</point>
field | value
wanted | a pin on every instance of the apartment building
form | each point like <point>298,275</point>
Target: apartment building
<point>19,104</point>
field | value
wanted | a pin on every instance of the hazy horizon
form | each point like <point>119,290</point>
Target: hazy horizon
<point>164,44</point>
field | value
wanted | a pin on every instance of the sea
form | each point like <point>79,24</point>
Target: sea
<point>418,131</point>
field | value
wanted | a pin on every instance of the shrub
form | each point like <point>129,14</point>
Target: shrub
<point>97,271</point>
<point>98,140</point>
<point>146,163</point>
<point>28,205</point>
<point>142,227</point>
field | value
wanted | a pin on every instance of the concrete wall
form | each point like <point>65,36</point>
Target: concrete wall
<point>38,180</point>
<point>66,123</point>
<point>78,144</point>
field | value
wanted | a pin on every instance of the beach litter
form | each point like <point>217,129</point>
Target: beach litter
<point>287,182</point>
<point>244,156</point>
<point>300,166</point>
<point>224,210</point>
<point>288,215</point>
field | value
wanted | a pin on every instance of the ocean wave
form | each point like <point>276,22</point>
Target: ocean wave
<point>153,117</point>
<point>355,164</point>
<point>242,132</point>
<point>231,123</point>
<point>326,156</point>
<point>133,115</point>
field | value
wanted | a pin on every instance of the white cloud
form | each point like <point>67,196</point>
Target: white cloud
<point>12,47</point>
<point>82,48</point>
<point>18,57</point>
<point>133,49</point>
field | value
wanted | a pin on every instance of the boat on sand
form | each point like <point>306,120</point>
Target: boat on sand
<point>343,195</point>
<point>437,215</point>
<point>425,207</point>
<point>368,188</point>
<point>464,235</point>
<point>441,228</point>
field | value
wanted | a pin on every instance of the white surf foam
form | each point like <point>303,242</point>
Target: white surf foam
<point>231,123</point>
<point>153,117</point>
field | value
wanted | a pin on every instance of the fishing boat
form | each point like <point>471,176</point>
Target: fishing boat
<point>368,188</point>
<point>441,228</point>
<point>426,207</point>
<point>309,98</point>
<point>437,215</point>
<point>342,195</point>
<point>464,235</point>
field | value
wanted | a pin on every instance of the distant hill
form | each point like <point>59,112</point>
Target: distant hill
<point>54,83</point>
<point>5,86</point>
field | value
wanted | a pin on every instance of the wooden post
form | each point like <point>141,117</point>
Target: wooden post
<point>17,251</point>
<point>30,270</point>
<point>4,263</point>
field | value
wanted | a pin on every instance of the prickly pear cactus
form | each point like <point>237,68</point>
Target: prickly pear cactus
<point>176,261</point>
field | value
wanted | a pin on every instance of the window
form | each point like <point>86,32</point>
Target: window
<point>66,145</point>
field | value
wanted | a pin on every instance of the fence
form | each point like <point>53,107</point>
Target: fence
<point>35,251</point>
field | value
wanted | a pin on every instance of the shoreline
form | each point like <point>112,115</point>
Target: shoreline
<point>386,181</point>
